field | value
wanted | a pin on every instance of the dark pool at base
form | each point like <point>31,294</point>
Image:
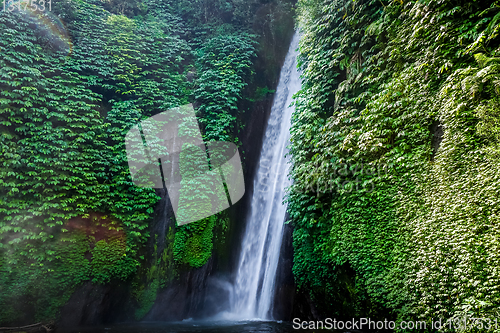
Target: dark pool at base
<point>196,327</point>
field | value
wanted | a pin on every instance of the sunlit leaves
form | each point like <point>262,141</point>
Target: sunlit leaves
<point>224,64</point>
<point>377,79</point>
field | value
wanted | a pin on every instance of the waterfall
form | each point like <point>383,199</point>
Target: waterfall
<point>253,290</point>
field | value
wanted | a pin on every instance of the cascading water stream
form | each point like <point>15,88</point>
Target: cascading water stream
<point>253,290</point>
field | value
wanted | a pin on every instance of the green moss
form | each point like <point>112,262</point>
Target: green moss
<point>193,242</point>
<point>69,210</point>
<point>146,297</point>
<point>418,234</point>
<point>152,277</point>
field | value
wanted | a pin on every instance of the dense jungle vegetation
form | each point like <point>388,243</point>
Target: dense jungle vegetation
<point>69,211</point>
<point>395,147</point>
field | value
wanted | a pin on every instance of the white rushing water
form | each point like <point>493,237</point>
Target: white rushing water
<point>253,291</point>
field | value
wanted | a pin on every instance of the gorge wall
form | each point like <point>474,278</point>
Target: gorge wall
<point>395,151</point>
<point>84,246</point>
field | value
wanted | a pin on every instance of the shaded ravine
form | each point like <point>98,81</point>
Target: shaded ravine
<point>253,290</point>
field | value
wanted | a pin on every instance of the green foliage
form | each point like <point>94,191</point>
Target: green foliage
<point>193,242</point>
<point>261,93</point>
<point>420,235</point>
<point>61,159</point>
<point>224,63</point>
<point>106,257</point>
<point>161,271</point>
<point>63,155</point>
<point>219,17</point>
<point>194,248</point>
<point>69,211</point>
<point>146,297</point>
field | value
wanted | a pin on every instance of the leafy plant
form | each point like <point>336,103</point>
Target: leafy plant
<point>379,80</point>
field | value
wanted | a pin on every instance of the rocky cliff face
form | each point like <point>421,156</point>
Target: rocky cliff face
<point>161,293</point>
